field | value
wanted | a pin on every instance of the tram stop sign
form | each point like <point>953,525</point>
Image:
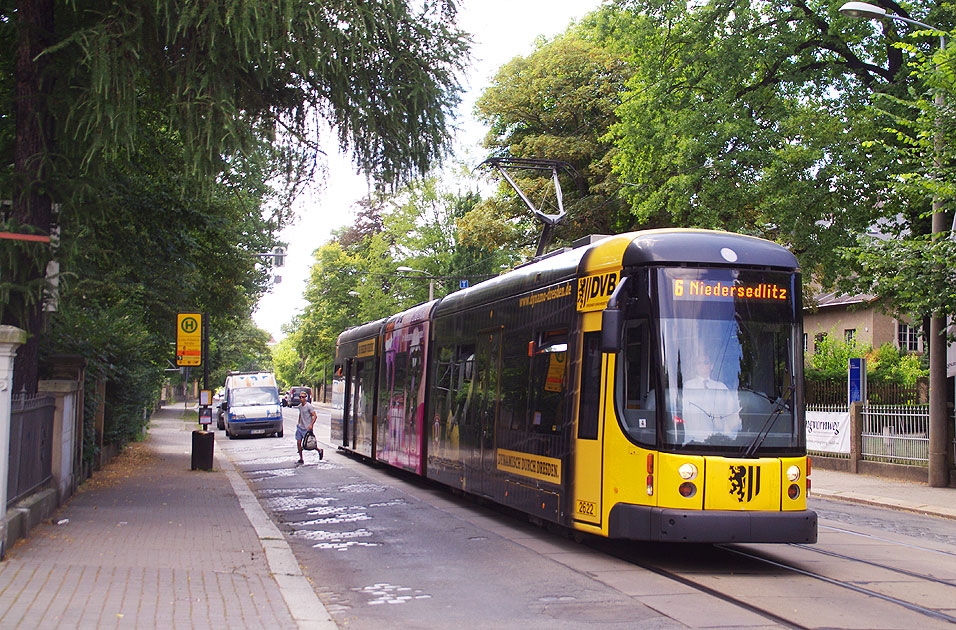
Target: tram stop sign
<point>189,339</point>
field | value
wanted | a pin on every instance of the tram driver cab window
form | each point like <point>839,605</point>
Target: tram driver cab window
<point>635,385</point>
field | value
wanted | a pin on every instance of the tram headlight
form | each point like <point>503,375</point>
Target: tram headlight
<point>687,472</point>
<point>793,473</point>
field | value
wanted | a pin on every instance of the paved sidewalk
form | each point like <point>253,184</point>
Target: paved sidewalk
<point>900,495</point>
<point>151,544</point>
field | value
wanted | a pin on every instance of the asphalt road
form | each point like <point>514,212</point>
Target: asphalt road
<point>385,550</point>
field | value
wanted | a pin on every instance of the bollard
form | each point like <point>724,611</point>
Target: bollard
<point>202,450</point>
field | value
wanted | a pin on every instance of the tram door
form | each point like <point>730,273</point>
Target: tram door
<point>588,460</point>
<point>480,476</point>
<point>358,409</point>
<point>348,424</point>
<point>346,437</point>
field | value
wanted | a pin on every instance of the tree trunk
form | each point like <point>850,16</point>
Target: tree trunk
<point>31,158</point>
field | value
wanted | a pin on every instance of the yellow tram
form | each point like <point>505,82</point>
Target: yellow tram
<point>645,386</point>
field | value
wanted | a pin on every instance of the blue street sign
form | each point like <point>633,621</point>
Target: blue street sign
<point>856,382</point>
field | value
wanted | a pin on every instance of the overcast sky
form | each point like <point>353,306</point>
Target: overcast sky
<point>502,30</point>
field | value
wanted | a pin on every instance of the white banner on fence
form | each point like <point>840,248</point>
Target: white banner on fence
<point>828,431</point>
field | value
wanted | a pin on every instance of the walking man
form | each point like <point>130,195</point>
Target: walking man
<point>307,417</point>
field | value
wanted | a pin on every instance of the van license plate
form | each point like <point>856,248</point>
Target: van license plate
<point>258,431</point>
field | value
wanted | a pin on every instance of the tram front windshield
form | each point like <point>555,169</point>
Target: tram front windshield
<point>727,350</point>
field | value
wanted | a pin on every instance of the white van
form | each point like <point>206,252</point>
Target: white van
<point>251,405</point>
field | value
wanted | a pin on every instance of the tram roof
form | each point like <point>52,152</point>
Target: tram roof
<point>631,249</point>
<point>705,247</point>
<point>600,255</point>
<point>364,331</point>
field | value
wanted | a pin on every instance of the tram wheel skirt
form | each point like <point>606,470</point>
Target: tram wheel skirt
<point>640,522</point>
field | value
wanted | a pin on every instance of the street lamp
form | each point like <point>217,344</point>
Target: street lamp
<point>938,473</point>
<point>873,12</point>
<point>431,280</point>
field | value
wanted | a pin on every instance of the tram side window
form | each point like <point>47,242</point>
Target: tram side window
<point>462,377</point>
<point>416,374</point>
<point>549,383</point>
<point>399,374</point>
<point>513,409</point>
<point>443,392</point>
<point>635,385</point>
<point>588,417</point>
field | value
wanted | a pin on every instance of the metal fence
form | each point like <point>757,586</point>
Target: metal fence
<point>829,407</point>
<point>896,433</point>
<point>835,392</point>
<point>31,444</point>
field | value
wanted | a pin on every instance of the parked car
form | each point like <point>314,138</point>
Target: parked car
<point>292,396</point>
<point>217,399</point>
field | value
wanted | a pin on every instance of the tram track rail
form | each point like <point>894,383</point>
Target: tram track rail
<point>923,610</point>
<point>889,541</point>
<point>879,565</point>
<point>659,567</point>
<point>703,588</point>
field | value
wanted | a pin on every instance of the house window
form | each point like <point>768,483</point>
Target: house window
<point>907,337</point>
<point>805,343</point>
<point>849,335</point>
<point>818,340</point>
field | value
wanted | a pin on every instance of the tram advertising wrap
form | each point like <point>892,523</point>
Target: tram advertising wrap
<point>644,386</point>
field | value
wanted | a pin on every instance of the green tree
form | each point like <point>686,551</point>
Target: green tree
<point>556,103</point>
<point>886,364</point>
<point>152,244</point>
<point>753,118</point>
<point>244,348</point>
<point>287,363</point>
<point>226,78</point>
<point>355,278</point>
<point>914,272</point>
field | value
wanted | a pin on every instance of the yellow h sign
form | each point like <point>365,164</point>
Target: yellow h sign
<point>189,339</point>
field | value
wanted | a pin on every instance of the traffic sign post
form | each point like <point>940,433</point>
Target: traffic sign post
<point>189,339</point>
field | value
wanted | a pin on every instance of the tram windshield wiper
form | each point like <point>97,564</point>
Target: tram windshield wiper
<point>778,406</point>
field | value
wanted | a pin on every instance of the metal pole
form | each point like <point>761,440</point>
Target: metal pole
<point>186,388</point>
<point>205,351</point>
<point>938,431</point>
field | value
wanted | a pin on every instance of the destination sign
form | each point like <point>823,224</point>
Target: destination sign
<point>717,290</point>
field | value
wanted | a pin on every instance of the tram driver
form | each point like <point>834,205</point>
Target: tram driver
<point>709,407</point>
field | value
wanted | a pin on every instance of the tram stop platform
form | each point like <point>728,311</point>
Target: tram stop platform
<point>149,543</point>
